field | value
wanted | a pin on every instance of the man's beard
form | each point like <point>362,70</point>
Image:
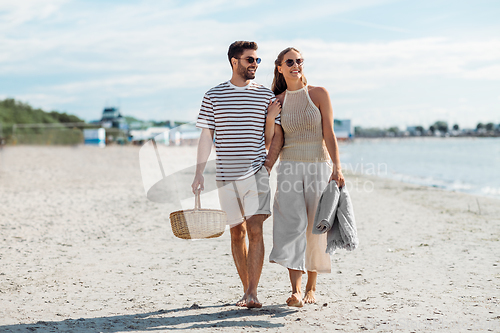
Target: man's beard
<point>243,72</point>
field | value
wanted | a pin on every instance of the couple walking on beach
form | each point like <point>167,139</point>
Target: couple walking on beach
<point>293,121</point>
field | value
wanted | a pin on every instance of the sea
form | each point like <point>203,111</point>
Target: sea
<point>470,165</point>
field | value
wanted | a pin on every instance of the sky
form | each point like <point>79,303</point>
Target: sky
<point>385,63</point>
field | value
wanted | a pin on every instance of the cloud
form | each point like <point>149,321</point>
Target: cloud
<point>49,101</point>
<point>372,25</point>
<point>356,67</point>
<point>15,13</point>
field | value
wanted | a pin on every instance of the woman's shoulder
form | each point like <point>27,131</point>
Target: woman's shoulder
<point>319,91</point>
<point>281,97</point>
<point>318,94</point>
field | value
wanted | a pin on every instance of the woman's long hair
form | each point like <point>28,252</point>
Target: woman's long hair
<point>279,83</point>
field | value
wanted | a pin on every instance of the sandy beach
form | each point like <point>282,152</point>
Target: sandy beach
<point>83,250</point>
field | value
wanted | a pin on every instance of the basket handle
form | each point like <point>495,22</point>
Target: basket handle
<point>197,201</point>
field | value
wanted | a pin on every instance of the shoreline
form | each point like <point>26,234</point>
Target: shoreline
<point>418,137</point>
<point>432,186</point>
<point>429,164</point>
<point>84,250</point>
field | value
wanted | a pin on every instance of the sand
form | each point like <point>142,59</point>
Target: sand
<point>83,250</point>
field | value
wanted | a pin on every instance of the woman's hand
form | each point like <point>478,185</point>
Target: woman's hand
<point>338,177</point>
<point>274,109</point>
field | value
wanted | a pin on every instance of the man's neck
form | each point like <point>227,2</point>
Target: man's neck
<point>239,81</point>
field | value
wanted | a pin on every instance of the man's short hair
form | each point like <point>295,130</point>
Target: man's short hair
<point>237,48</point>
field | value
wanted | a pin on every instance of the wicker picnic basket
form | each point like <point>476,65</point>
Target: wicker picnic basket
<point>198,223</point>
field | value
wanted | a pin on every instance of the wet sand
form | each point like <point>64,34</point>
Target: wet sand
<point>83,250</point>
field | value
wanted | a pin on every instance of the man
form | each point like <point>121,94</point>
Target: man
<point>236,111</point>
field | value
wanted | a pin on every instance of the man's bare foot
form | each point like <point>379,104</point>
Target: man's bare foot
<point>309,297</point>
<point>295,300</point>
<point>242,302</point>
<point>253,302</point>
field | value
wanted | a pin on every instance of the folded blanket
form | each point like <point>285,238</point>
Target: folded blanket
<point>335,216</point>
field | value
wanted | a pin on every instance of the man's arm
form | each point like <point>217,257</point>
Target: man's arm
<point>204,150</point>
<point>274,150</point>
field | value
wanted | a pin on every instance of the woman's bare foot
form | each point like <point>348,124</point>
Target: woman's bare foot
<point>242,302</point>
<point>309,297</point>
<point>253,302</point>
<point>295,300</point>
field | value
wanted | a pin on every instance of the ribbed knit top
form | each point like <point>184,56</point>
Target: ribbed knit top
<point>301,122</point>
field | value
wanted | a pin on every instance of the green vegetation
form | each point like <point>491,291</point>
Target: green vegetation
<point>370,132</point>
<point>15,112</point>
<point>135,123</point>
<point>489,126</point>
<point>439,128</point>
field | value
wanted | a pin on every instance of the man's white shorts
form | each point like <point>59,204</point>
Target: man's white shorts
<point>253,193</point>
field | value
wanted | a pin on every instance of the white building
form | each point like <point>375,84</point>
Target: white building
<point>185,134</point>
<point>160,134</point>
<point>343,129</point>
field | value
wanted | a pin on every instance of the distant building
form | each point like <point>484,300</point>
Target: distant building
<point>111,118</point>
<point>414,130</point>
<point>160,134</point>
<point>187,134</point>
<point>343,129</point>
<point>95,137</point>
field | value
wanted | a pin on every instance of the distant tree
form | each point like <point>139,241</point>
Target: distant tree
<point>65,118</point>
<point>358,130</point>
<point>490,126</point>
<point>432,128</point>
<point>479,126</point>
<point>162,123</point>
<point>441,126</point>
<point>455,127</point>
<point>393,131</point>
<point>371,132</point>
<point>15,112</point>
<point>420,129</point>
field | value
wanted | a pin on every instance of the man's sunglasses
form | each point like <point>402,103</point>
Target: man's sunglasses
<point>252,59</point>
<point>290,62</point>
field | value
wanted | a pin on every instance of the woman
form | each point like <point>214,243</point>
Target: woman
<point>304,171</point>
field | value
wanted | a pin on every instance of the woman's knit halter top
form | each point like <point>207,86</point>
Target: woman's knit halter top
<point>301,122</point>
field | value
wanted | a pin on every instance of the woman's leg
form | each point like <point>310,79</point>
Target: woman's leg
<point>296,280</point>
<point>310,287</point>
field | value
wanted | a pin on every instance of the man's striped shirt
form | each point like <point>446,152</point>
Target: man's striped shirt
<point>238,117</point>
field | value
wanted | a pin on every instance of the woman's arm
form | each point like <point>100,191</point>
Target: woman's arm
<point>275,148</point>
<point>273,111</point>
<point>321,98</point>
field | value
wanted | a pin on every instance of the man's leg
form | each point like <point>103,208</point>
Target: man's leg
<point>255,259</point>
<point>240,254</point>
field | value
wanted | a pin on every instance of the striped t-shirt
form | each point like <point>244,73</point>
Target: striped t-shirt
<point>238,117</point>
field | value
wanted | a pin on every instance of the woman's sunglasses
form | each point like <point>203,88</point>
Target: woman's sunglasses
<point>252,59</point>
<point>290,62</point>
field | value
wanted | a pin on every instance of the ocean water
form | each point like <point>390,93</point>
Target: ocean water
<point>470,165</point>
